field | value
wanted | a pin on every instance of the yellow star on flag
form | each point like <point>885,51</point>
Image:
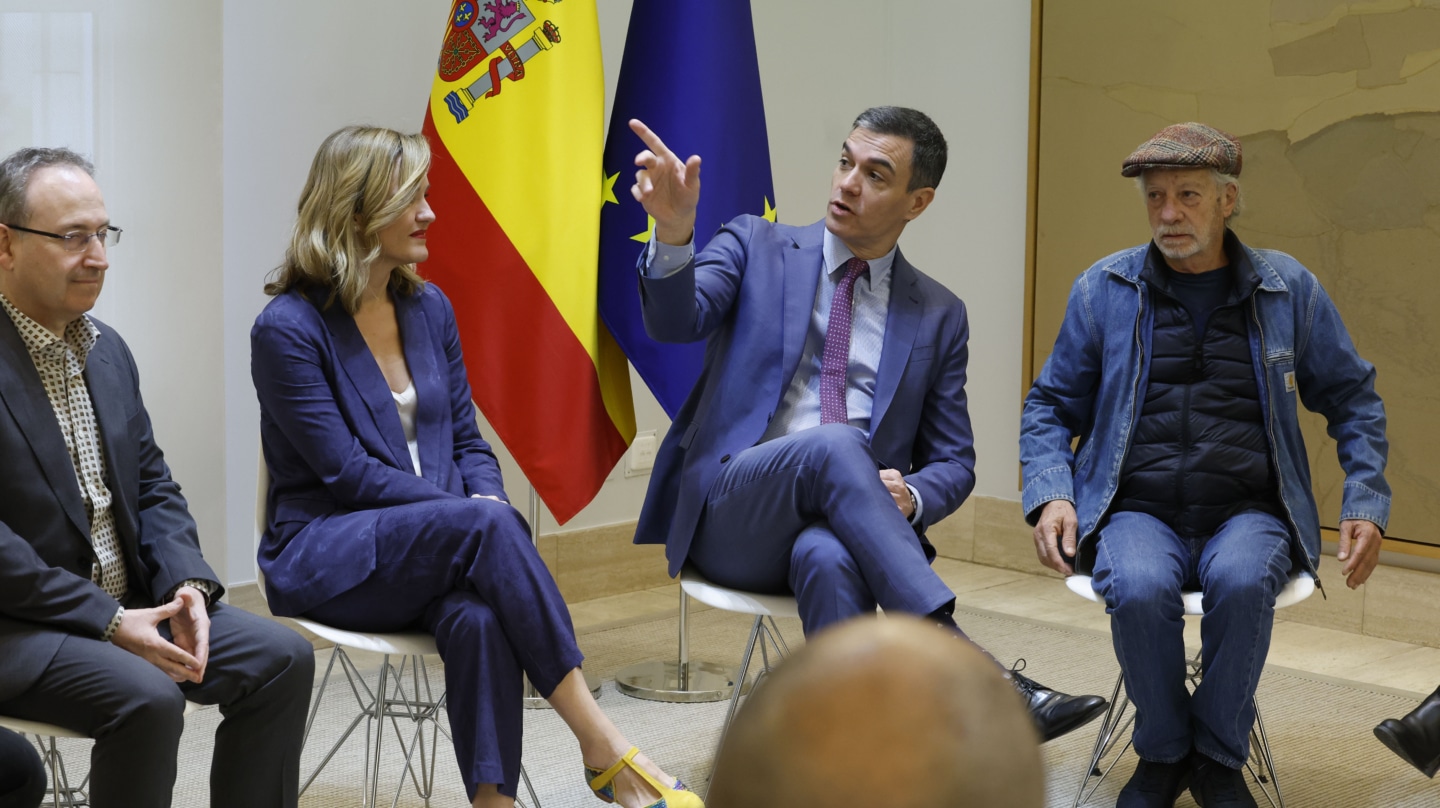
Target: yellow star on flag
<point>769,214</point>
<point>607,188</point>
<point>649,231</point>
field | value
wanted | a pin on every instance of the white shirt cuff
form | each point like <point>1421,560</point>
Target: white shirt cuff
<point>663,260</point>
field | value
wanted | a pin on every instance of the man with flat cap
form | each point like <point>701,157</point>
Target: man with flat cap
<point>1179,366</point>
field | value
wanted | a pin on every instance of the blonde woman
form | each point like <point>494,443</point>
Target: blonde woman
<point>386,506</point>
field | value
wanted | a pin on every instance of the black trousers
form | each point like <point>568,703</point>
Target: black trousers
<point>259,672</point>
<point>22,776</point>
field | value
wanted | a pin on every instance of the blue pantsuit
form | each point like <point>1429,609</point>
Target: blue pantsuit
<point>466,571</point>
<point>357,539</point>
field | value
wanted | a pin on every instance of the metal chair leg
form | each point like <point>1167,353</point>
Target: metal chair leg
<point>61,794</point>
<point>375,723</point>
<point>420,707</point>
<point>364,698</point>
<point>768,638</point>
<point>1260,765</point>
<point>740,679</point>
<point>1264,769</point>
<point>1112,727</point>
<point>534,800</point>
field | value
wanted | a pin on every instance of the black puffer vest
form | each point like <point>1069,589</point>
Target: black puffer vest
<point>1199,453</point>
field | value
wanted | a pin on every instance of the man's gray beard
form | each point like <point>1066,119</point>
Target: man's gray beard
<point>1174,255</point>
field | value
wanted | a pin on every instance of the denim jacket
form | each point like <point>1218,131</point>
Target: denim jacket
<point>1091,388</point>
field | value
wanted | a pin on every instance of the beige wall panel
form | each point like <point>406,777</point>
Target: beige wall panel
<point>1338,108</point>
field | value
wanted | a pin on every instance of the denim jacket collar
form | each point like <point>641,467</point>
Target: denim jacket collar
<point>1252,271</point>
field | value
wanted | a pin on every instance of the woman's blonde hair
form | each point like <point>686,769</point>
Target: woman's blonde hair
<point>362,179</point>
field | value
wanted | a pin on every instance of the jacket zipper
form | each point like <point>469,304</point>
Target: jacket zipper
<point>1187,438</point>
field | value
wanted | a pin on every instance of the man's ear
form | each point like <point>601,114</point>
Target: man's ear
<point>1228,199</point>
<point>7,245</point>
<point>920,199</point>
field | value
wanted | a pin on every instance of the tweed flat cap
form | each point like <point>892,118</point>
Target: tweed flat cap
<point>1185,145</point>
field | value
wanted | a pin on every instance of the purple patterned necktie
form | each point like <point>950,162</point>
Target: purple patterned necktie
<point>835,359</point>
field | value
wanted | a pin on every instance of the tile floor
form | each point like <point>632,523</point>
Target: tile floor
<point>1398,666</point>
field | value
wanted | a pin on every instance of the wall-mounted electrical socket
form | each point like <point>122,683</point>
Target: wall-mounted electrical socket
<point>641,457</point>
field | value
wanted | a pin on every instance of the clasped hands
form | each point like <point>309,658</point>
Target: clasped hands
<point>184,656</point>
<point>1055,542</point>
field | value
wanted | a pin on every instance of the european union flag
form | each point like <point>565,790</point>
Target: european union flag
<point>691,74</point>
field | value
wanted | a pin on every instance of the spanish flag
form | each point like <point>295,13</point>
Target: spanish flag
<point>515,121</point>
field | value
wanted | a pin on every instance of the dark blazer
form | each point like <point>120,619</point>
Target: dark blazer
<point>751,293</point>
<point>45,552</point>
<point>334,444</point>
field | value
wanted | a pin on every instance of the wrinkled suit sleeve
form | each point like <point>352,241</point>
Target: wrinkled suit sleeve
<point>943,470</point>
<point>690,303</point>
<point>33,591</point>
<point>169,540</point>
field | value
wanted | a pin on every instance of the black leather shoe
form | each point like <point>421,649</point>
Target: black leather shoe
<point>1155,785</point>
<point>1055,713</point>
<point>1416,737</point>
<point>1215,785</point>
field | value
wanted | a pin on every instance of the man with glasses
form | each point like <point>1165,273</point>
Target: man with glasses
<point>109,617</point>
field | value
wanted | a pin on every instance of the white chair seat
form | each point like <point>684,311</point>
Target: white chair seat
<point>402,643</point>
<point>1262,763</point>
<point>24,726</point>
<point>1299,588</point>
<point>60,793</point>
<point>388,700</point>
<point>735,600</point>
<point>765,608</point>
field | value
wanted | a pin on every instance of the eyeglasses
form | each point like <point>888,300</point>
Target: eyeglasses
<point>77,242</point>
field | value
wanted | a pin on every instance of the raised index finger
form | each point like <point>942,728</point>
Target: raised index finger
<point>651,139</point>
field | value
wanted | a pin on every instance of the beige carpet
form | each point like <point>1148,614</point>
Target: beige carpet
<point>1319,728</point>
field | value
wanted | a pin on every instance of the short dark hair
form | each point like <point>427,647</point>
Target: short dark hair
<point>16,171</point>
<point>927,158</point>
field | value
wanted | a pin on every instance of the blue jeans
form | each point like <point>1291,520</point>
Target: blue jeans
<point>1141,567</point>
<point>808,513</point>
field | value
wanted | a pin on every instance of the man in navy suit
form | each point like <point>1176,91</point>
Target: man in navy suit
<point>828,428</point>
<point>109,617</point>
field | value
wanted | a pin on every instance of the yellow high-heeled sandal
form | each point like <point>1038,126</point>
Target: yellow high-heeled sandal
<point>676,796</point>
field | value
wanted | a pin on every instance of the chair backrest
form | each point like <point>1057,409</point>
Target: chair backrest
<point>262,516</point>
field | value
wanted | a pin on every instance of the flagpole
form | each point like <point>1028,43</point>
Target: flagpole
<point>532,698</point>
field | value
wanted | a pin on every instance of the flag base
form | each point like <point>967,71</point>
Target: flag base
<point>671,681</point>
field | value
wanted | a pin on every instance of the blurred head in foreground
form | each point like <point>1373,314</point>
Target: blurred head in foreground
<point>895,711</point>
